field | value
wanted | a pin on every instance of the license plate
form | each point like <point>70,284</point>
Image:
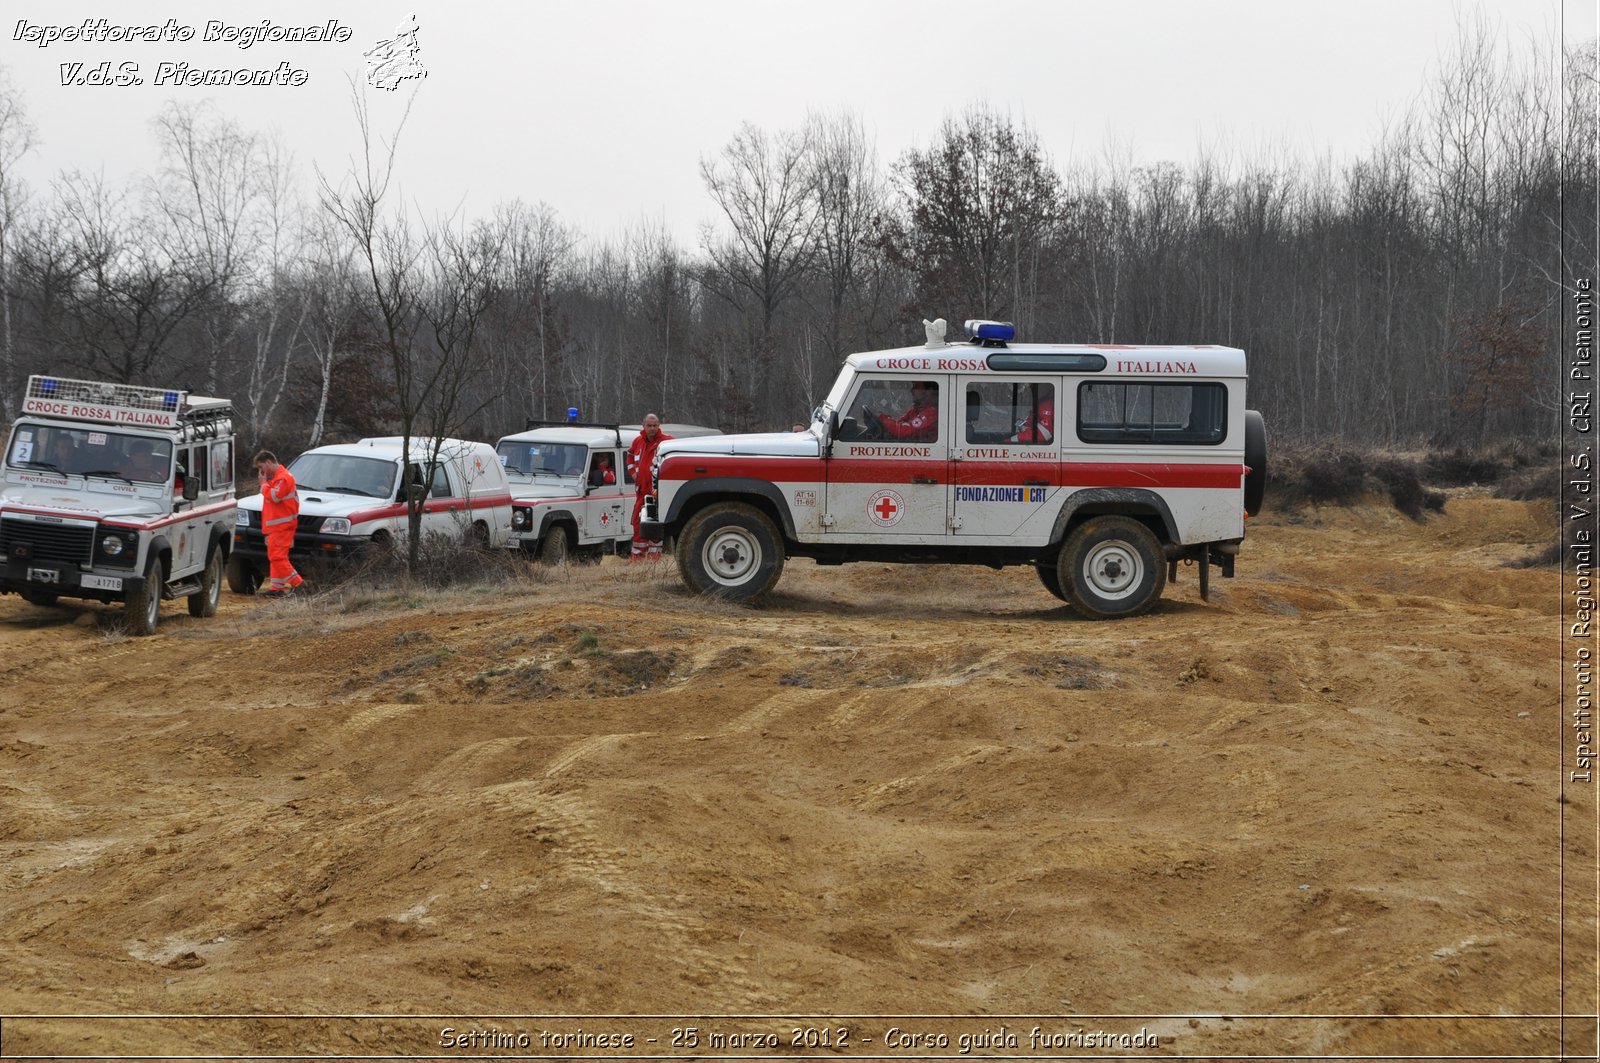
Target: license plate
<point>44,575</point>
<point>103,583</point>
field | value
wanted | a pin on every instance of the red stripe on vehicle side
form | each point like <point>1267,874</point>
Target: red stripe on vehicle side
<point>967,472</point>
<point>175,518</point>
<point>433,505</point>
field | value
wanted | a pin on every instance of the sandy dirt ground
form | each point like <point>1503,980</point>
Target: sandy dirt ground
<point>1322,814</point>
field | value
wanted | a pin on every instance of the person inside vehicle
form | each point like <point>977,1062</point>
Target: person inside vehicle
<point>63,453</point>
<point>921,421</point>
<point>602,473</point>
<point>1039,426</point>
<point>145,464</point>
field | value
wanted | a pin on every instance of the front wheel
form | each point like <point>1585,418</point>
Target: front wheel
<point>40,597</point>
<point>144,603</point>
<point>555,547</point>
<point>243,577</point>
<point>1111,567</point>
<point>203,602</point>
<point>732,551</point>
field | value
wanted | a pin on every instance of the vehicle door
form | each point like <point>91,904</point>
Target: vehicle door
<point>1006,459</point>
<point>188,535</point>
<point>605,505</point>
<point>889,470</point>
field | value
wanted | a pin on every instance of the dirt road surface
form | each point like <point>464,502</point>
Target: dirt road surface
<point>1334,791</point>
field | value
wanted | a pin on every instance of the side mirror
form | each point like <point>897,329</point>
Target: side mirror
<point>191,488</point>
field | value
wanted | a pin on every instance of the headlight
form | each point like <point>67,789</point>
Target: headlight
<point>520,518</point>
<point>241,518</point>
<point>111,545</point>
<point>336,526</point>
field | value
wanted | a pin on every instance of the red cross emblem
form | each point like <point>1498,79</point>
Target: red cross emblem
<point>886,508</point>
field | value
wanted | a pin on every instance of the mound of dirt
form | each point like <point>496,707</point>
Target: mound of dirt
<point>1334,792</point>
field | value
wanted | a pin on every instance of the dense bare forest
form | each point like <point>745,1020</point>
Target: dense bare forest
<point>1413,294</point>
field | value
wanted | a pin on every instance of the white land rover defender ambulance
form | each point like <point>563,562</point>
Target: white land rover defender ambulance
<point>1100,465</point>
<point>571,493</point>
<point>117,493</point>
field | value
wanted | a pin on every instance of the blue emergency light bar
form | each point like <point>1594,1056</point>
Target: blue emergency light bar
<point>990,331</point>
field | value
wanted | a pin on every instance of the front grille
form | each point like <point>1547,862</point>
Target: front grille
<point>48,542</point>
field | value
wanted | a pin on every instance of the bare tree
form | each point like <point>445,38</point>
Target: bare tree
<point>16,140</point>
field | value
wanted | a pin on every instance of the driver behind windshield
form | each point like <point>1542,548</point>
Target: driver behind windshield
<point>921,421</point>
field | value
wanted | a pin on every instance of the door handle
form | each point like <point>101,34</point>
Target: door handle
<point>923,480</point>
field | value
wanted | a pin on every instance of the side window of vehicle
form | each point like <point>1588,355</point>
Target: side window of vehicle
<point>1152,413</point>
<point>1010,411</point>
<point>896,408</point>
<point>221,466</point>
<point>441,483</point>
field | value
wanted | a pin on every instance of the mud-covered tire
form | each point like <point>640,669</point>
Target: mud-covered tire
<point>1255,459</point>
<point>203,602</point>
<point>1112,567</point>
<point>243,577</point>
<point>143,608</point>
<point>44,598</point>
<point>556,546</point>
<point>1051,578</point>
<point>732,551</point>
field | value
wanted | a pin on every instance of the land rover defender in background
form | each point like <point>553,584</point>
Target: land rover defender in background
<point>117,493</point>
<point>571,493</point>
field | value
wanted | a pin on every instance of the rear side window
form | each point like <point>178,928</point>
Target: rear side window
<point>1152,413</point>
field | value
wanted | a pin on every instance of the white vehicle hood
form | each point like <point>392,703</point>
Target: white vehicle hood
<point>323,503</point>
<point>528,489</point>
<point>88,505</point>
<point>778,444</point>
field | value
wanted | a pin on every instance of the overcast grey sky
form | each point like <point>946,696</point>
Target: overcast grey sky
<point>603,109</point>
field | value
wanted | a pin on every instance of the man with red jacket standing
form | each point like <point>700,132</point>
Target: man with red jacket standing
<point>280,511</point>
<point>641,460</point>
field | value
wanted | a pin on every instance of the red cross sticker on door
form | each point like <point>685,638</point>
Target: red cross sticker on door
<point>886,508</point>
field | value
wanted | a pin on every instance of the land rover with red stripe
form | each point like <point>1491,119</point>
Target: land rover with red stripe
<point>572,494</point>
<point>354,496</point>
<point>117,493</point>
<point>1102,466</point>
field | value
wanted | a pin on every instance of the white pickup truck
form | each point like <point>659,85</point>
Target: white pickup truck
<point>353,496</point>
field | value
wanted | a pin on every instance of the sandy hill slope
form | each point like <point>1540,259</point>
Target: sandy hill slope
<point>1335,790</point>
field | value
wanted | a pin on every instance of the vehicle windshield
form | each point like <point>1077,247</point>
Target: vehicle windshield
<point>344,474</point>
<point>90,452</point>
<point>526,459</point>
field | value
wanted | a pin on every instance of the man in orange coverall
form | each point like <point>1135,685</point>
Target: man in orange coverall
<point>280,511</point>
<point>641,458</point>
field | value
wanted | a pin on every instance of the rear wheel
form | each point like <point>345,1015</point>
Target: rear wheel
<point>144,603</point>
<point>1112,567</point>
<point>732,551</point>
<point>555,547</point>
<point>243,577</point>
<point>203,602</point>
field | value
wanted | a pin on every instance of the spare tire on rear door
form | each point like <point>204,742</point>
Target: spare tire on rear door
<point>1255,459</point>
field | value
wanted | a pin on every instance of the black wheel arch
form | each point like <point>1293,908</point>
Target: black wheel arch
<point>696,495</point>
<point>1135,502</point>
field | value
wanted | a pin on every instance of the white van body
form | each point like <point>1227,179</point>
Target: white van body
<point>352,495</point>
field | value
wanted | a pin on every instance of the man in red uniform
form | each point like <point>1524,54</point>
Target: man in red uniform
<point>641,459</point>
<point>1042,430</point>
<point>921,422</point>
<point>280,510</point>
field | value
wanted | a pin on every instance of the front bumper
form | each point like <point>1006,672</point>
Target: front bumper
<point>308,546</point>
<point>20,575</point>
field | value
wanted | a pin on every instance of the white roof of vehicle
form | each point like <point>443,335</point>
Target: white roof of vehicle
<point>1121,359</point>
